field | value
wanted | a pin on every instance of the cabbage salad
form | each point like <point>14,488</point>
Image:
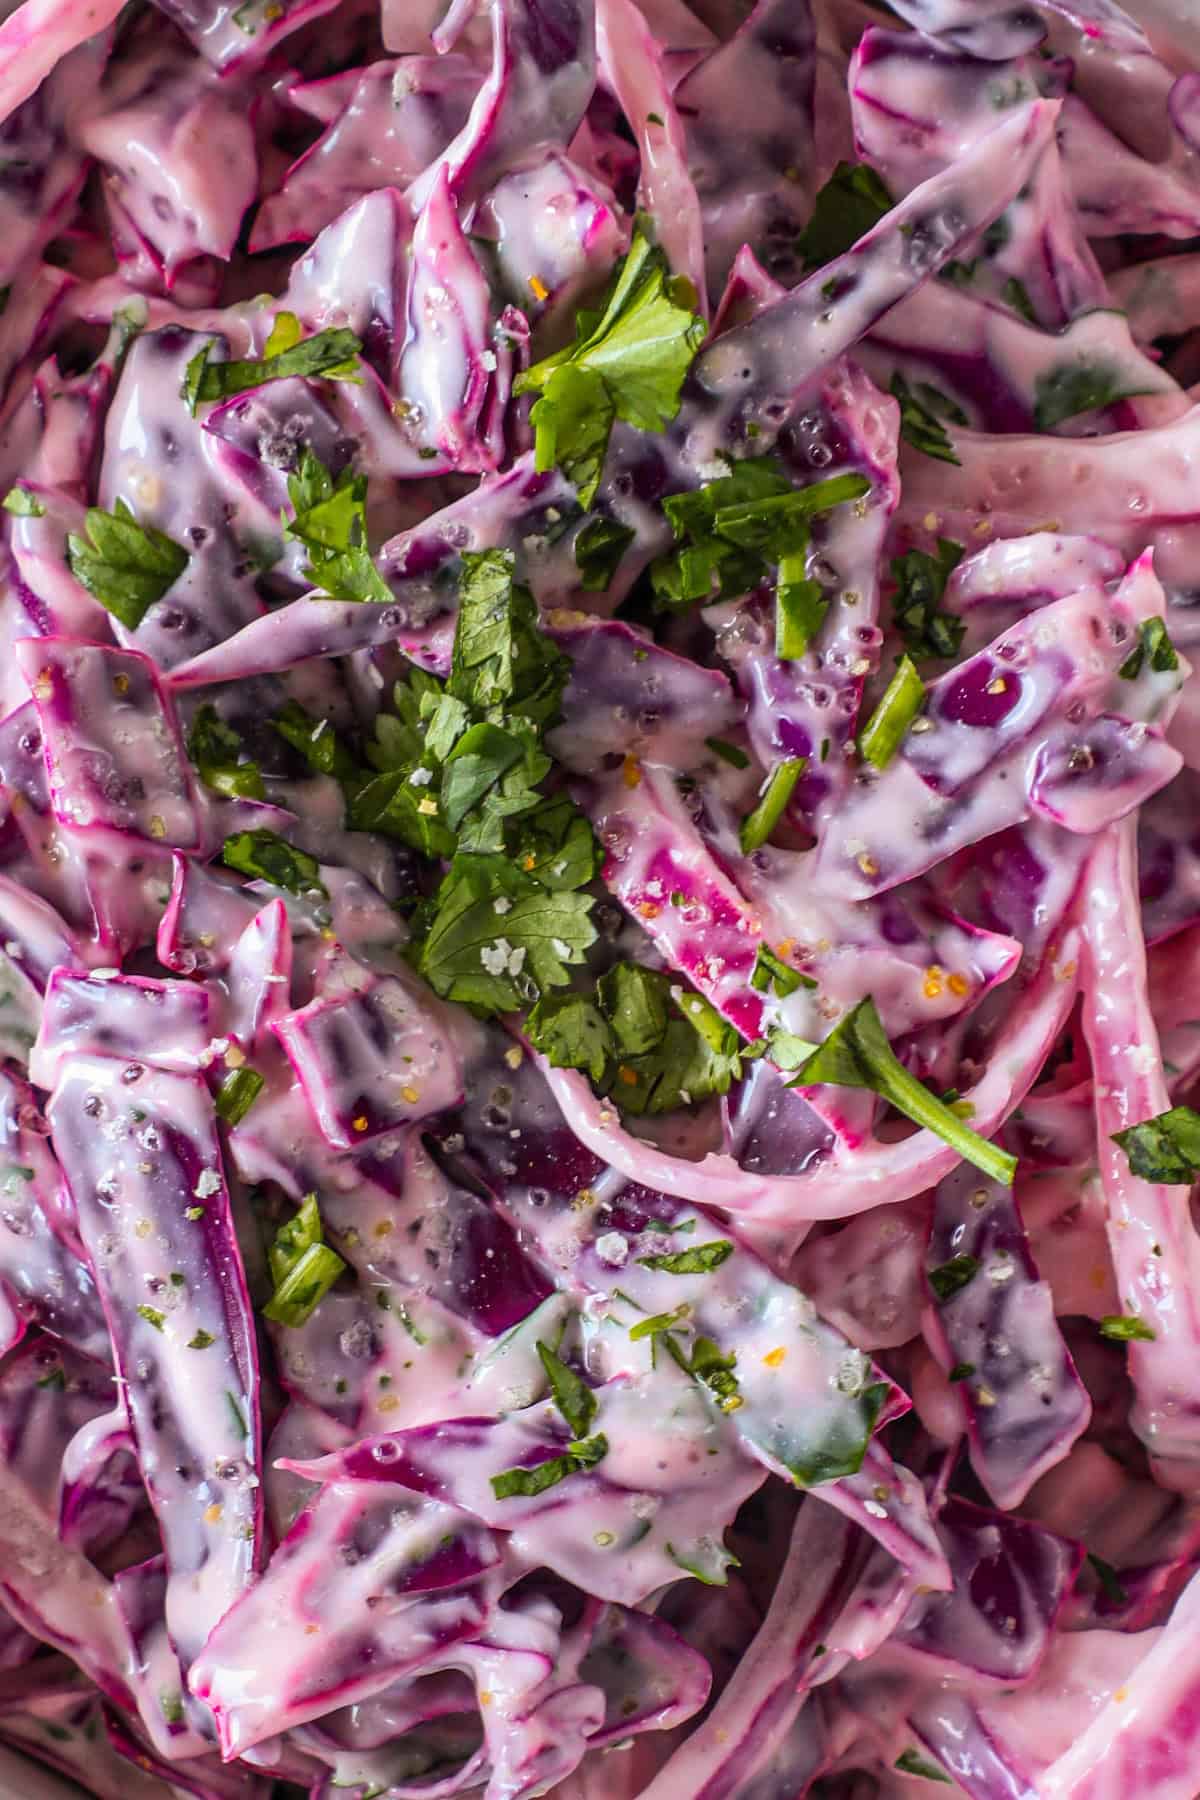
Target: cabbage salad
<point>600,899</point>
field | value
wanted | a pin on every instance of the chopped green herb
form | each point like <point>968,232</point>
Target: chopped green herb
<point>758,825</point>
<point>698,1259</point>
<point>305,1285</point>
<point>1126,1328</point>
<point>857,1054</point>
<point>572,1395</point>
<point>216,750</point>
<point>1165,1148</point>
<point>737,759</point>
<point>962,1371</point>
<point>1078,387</point>
<point>332,354</point>
<point>1016,295</point>
<point>57,1378</point>
<point>772,974</point>
<point>152,1316</point>
<point>627,363</point>
<point>636,1007</point>
<point>1154,644</point>
<point>170,1702</point>
<point>237,1094</point>
<point>911,1762</point>
<point>22,504</point>
<point>916,605</point>
<point>851,203</point>
<point>571,1033</point>
<point>127,567</point>
<point>267,857</point>
<point>800,609</point>
<point>583,1453</point>
<point>881,736</point>
<point>921,411</point>
<point>203,1340</point>
<point>949,1277</point>
<point>599,546</point>
<point>300,1233</point>
<point>331,522</point>
<point>236,1414</point>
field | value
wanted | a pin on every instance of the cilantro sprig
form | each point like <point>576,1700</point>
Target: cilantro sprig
<point>857,1054</point>
<point>331,522</point>
<point>127,567</point>
<point>628,361</point>
<point>332,354</point>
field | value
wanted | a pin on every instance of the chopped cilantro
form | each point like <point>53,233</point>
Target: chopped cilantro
<point>331,522</point>
<point>857,1054</point>
<point>572,1395</point>
<point>268,857</point>
<point>921,411</point>
<point>1154,645</point>
<point>1126,1328</point>
<point>1072,388</point>
<point>22,504</point>
<point>599,546</point>
<point>332,354</point>
<point>124,565</point>
<point>911,1762</point>
<point>851,203</point>
<point>581,1454</point>
<point>949,1277</point>
<point>216,750</point>
<point>697,1259</point>
<point>916,605</point>
<point>1165,1148</point>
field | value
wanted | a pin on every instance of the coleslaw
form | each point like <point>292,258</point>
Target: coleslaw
<point>600,899</point>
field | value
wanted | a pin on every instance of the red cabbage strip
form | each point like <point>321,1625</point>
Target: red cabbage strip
<point>369,1585</point>
<point>1155,1249</point>
<point>139,1150</point>
<point>752,1716</point>
<point>737,382</point>
<point>631,64</point>
<point>43,1277</point>
<point>1024,1402</point>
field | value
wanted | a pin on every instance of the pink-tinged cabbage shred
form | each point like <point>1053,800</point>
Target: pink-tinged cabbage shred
<point>943,1525</point>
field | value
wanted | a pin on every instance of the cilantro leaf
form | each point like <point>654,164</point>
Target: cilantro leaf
<point>852,201</point>
<point>124,565</point>
<point>216,750</point>
<point>317,742</point>
<point>392,806</point>
<point>328,353</point>
<point>501,657</point>
<point>571,1033</point>
<point>857,1054</point>
<point>268,857</point>
<point>697,1259</point>
<point>1126,1328</point>
<point>916,605</point>
<point>921,412</point>
<point>628,362</point>
<point>489,951</point>
<point>949,1277</point>
<point>556,847</point>
<point>583,1453</point>
<point>572,1395</point>
<point>636,1007</point>
<point>331,522</point>
<point>1077,387</point>
<point>1165,1148</point>
<point>1154,643</point>
<point>599,546</point>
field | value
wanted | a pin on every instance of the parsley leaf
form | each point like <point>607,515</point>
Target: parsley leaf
<point>852,201</point>
<point>572,1395</point>
<point>921,410</point>
<point>949,1277</point>
<point>331,522</point>
<point>317,742</point>
<point>636,1005</point>
<point>1077,387</point>
<point>628,362</point>
<point>857,1054</point>
<point>268,857</point>
<point>1165,1148</point>
<point>216,750</point>
<point>124,565</point>
<point>583,1453</point>
<point>599,546</point>
<point>501,657</point>
<point>328,353</point>
<point>1154,643</point>
<point>1126,1328</point>
<point>916,605</point>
